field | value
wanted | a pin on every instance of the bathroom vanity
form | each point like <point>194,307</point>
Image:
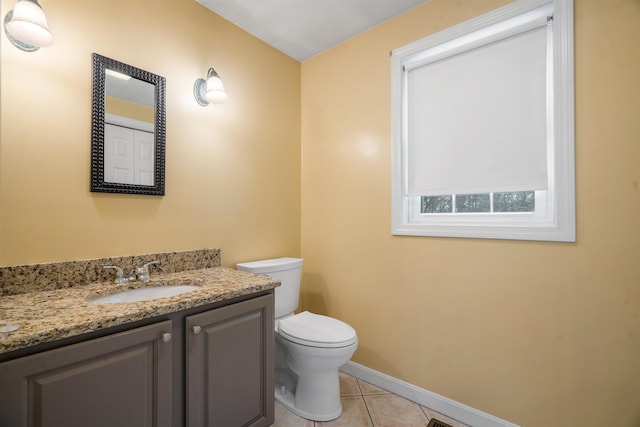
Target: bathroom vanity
<point>203,358</point>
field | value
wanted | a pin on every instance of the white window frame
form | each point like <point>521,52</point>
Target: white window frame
<point>556,221</point>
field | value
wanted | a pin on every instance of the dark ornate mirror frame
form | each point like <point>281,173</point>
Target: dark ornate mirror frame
<point>98,184</point>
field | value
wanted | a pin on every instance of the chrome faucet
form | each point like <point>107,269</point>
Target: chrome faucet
<point>142,273</point>
<point>120,274</point>
<point>139,273</point>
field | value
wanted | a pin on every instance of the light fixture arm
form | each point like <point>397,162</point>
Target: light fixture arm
<point>212,73</point>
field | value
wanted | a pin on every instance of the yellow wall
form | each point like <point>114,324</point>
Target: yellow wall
<point>132,110</point>
<point>540,334</point>
<point>232,170</point>
<point>536,333</point>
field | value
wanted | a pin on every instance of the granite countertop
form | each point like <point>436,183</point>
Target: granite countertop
<point>51,315</point>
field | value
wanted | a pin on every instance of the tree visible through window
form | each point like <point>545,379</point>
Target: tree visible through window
<point>517,201</point>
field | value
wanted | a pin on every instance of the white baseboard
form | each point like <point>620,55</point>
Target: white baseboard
<point>445,406</point>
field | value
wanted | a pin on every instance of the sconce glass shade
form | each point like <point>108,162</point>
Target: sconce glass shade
<point>210,90</point>
<point>215,90</point>
<point>26,26</point>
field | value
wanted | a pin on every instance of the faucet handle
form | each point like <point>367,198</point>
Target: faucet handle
<point>146,266</point>
<point>143,272</point>
<point>119,272</point>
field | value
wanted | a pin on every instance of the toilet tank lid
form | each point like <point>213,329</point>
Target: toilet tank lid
<point>270,265</point>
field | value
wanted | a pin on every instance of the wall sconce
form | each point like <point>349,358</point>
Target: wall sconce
<point>26,26</point>
<point>210,90</point>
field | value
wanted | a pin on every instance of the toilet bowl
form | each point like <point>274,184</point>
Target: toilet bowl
<point>315,348</point>
<point>310,348</point>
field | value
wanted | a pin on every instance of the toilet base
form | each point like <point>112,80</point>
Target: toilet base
<point>287,399</point>
<point>306,377</point>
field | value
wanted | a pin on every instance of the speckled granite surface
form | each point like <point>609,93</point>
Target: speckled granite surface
<point>47,316</point>
<point>41,277</point>
<point>56,313</point>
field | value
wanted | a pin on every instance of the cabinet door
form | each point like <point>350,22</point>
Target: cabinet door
<point>230,353</point>
<point>118,380</point>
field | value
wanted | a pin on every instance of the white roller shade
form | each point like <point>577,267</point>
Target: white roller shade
<point>476,121</point>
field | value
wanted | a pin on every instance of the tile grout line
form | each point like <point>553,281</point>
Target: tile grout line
<point>420,407</point>
<point>363,394</point>
<point>365,402</point>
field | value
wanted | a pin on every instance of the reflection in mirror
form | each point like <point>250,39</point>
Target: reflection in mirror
<point>128,129</point>
<point>128,135</point>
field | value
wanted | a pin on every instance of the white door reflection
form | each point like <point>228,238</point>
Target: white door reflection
<point>129,155</point>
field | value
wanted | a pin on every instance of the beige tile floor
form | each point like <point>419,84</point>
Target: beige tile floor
<point>365,405</point>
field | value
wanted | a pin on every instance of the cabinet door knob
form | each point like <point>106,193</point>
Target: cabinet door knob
<point>166,337</point>
<point>196,329</point>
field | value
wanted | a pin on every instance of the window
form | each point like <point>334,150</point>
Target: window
<point>482,127</point>
<point>518,201</point>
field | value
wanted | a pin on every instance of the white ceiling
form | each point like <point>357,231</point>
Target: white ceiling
<point>304,28</point>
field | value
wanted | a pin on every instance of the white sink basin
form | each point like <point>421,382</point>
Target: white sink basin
<point>145,294</point>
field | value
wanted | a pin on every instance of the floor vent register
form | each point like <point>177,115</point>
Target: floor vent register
<point>437,423</point>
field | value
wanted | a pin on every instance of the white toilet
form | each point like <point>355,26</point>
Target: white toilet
<point>310,348</point>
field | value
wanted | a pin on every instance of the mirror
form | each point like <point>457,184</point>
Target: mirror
<point>127,129</point>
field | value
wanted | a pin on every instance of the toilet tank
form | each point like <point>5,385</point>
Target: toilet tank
<point>288,271</point>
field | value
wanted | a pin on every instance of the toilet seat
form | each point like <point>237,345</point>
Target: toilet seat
<point>315,330</point>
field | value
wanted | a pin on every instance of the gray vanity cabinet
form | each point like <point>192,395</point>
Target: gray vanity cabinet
<point>229,375</point>
<point>206,366</point>
<point>122,379</point>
